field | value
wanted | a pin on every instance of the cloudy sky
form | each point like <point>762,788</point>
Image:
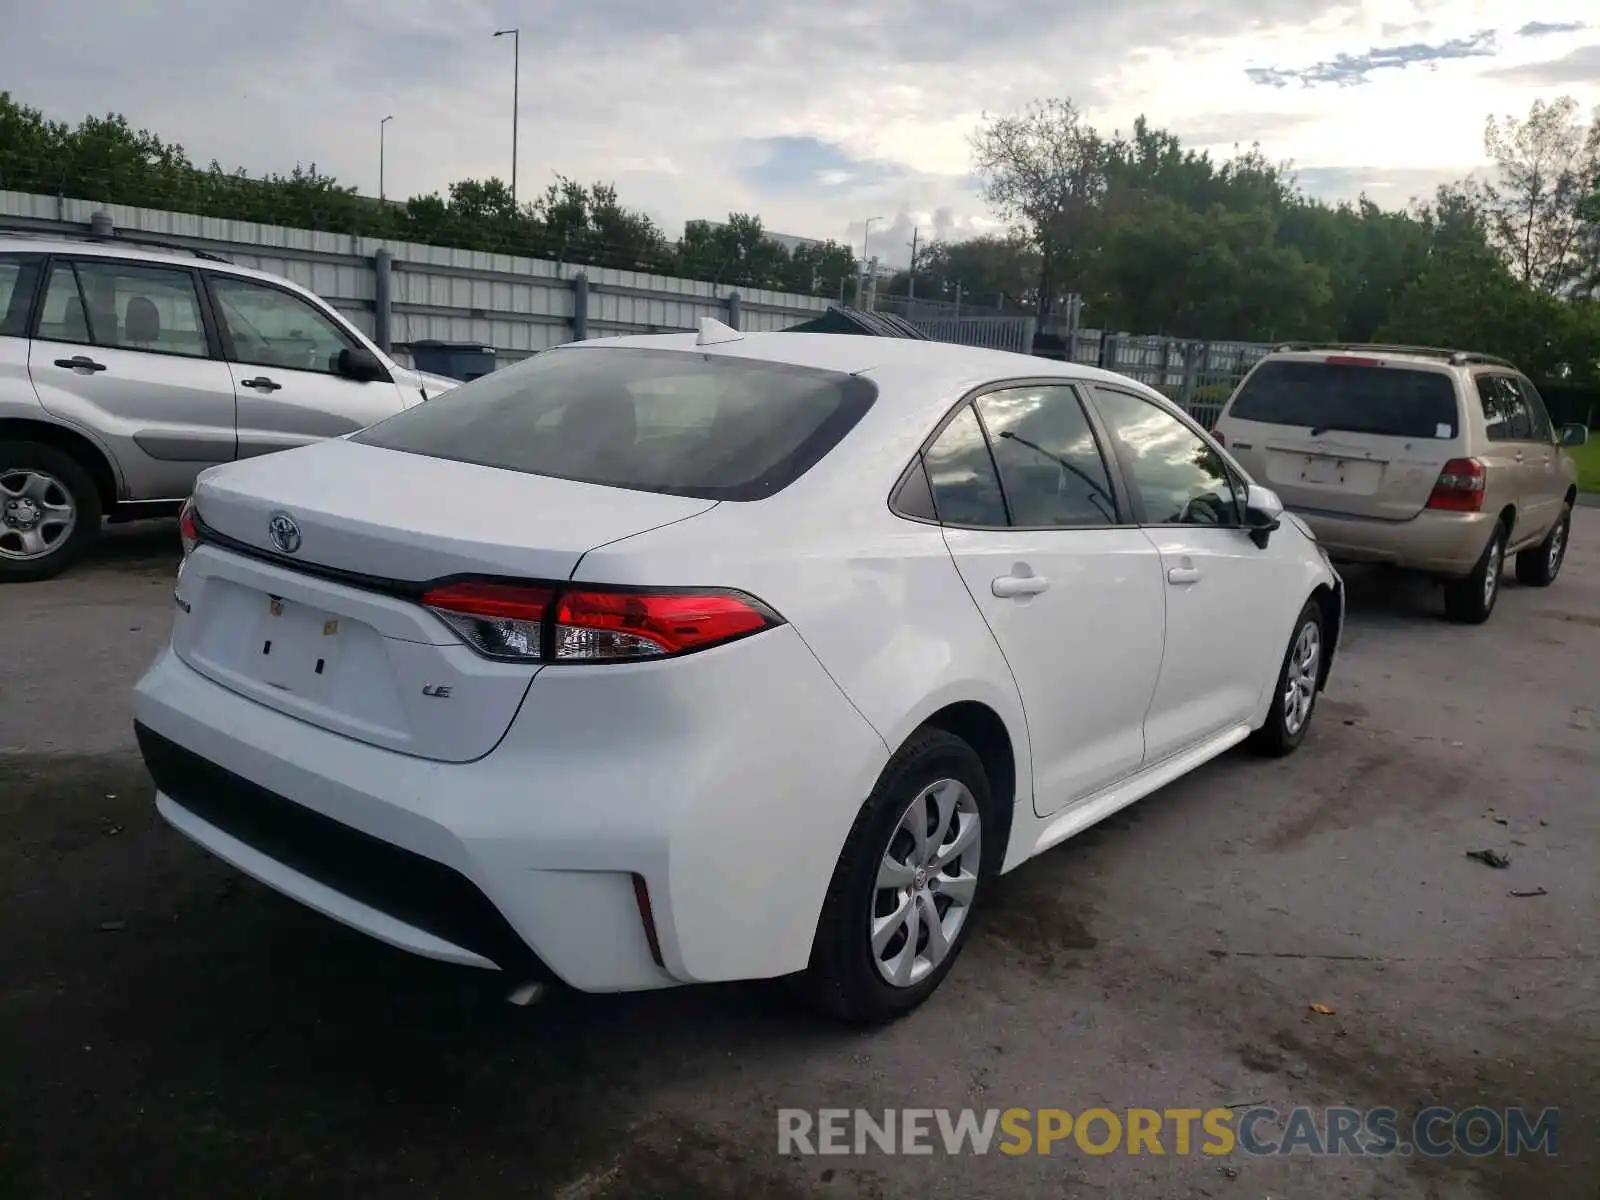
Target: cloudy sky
<point>815,115</point>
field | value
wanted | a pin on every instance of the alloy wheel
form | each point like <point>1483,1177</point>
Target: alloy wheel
<point>926,882</point>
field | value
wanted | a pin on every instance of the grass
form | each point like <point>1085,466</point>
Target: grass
<point>1588,458</point>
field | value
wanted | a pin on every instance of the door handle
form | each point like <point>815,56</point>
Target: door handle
<point>261,383</point>
<point>80,362</point>
<point>1008,586</point>
<point>1183,575</point>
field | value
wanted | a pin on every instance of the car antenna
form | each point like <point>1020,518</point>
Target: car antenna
<point>713,332</point>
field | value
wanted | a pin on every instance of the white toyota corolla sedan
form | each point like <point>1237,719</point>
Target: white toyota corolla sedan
<point>662,660</point>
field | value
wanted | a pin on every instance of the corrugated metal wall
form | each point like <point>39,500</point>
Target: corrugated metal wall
<point>517,305</point>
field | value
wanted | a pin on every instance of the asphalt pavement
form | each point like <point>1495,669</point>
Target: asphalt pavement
<point>168,1028</point>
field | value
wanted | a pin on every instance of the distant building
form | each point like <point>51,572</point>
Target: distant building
<point>788,241</point>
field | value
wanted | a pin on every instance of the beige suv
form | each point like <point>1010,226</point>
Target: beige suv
<point>1441,461</point>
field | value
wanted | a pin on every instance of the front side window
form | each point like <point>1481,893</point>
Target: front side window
<point>270,327</point>
<point>966,490</point>
<point>1179,477</point>
<point>125,306</point>
<point>17,278</point>
<point>711,426</point>
<point>1049,462</point>
<point>1539,426</point>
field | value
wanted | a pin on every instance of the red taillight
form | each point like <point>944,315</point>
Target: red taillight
<point>603,625</point>
<point>1459,487</point>
<point>188,527</point>
<point>499,620</point>
<point>1351,360</point>
<point>522,621</point>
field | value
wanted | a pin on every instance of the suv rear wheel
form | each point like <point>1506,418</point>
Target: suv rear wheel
<point>1539,566</point>
<point>49,511</point>
<point>1470,600</point>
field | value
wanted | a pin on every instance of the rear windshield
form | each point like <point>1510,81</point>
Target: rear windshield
<point>687,424</point>
<point>1354,399</point>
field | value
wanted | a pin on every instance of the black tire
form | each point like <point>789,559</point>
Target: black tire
<point>1280,735</point>
<point>1539,566</point>
<point>1470,600</point>
<point>843,980</point>
<point>71,478</point>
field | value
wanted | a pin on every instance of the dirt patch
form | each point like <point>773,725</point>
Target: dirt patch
<point>1366,778</point>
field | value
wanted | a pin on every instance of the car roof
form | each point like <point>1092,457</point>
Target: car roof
<point>939,368</point>
<point>16,242</point>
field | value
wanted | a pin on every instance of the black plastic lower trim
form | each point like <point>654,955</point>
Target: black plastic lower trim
<point>419,891</point>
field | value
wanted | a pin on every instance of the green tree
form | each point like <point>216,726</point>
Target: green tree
<point>1546,165</point>
<point>1047,170</point>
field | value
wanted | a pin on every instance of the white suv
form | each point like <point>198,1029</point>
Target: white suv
<point>127,368</point>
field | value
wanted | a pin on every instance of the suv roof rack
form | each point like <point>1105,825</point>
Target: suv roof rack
<point>1456,358</point>
<point>109,239</point>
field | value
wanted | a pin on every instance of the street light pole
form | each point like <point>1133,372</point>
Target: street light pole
<point>516,83</point>
<point>866,257</point>
<point>381,129</point>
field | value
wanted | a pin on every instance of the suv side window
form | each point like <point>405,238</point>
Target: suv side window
<point>18,275</point>
<point>966,489</point>
<point>1179,477</point>
<point>1505,411</point>
<point>270,327</point>
<point>1540,428</point>
<point>124,306</point>
<point>1049,462</point>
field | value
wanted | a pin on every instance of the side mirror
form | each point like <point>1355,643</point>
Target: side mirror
<point>1263,513</point>
<point>1574,435</point>
<point>361,365</point>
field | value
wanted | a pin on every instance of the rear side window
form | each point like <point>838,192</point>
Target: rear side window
<point>17,279</point>
<point>1390,401</point>
<point>1507,415</point>
<point>687,424</point>
<point>125,306</point>
<point>966,490</point>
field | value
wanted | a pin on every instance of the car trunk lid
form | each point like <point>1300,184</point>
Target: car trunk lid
<point>326,623</point>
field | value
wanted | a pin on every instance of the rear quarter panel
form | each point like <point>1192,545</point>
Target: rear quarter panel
<point>876,597</point>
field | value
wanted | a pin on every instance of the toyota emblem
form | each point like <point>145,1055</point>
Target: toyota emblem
<point>283,531</point>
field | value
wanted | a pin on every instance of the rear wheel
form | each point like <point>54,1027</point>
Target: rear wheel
<point>1539,566</point>
<point>49,511</point>
<point>1295,696</point>
<point>906,886</point>
<point>1469,601</point>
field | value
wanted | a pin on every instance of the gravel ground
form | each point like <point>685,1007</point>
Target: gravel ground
<point>170,1028</point>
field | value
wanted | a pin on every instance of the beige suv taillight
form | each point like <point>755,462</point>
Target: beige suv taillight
<point>1459,487</point>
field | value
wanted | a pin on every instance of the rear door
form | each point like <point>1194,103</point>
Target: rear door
<point>1229,603</point>
<point>1067,584</point>
<point>125,348</point>
<point>282,352</point>
<point>1347,435</point>
<point>19,278</point>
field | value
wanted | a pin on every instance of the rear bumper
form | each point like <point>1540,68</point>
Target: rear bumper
<point>731,807</point>
<point>1443,543</point>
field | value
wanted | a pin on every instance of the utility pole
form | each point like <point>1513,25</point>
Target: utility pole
<point>381,125</point>
<point>516,83</point>
<point>911,280</point>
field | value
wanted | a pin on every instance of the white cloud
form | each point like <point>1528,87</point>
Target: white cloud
<point>679,101</point>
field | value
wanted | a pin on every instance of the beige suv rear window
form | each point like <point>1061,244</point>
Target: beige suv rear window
<point>1389,401</point>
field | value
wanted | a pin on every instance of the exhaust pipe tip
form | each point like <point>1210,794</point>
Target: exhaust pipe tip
<point>528,993</point>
